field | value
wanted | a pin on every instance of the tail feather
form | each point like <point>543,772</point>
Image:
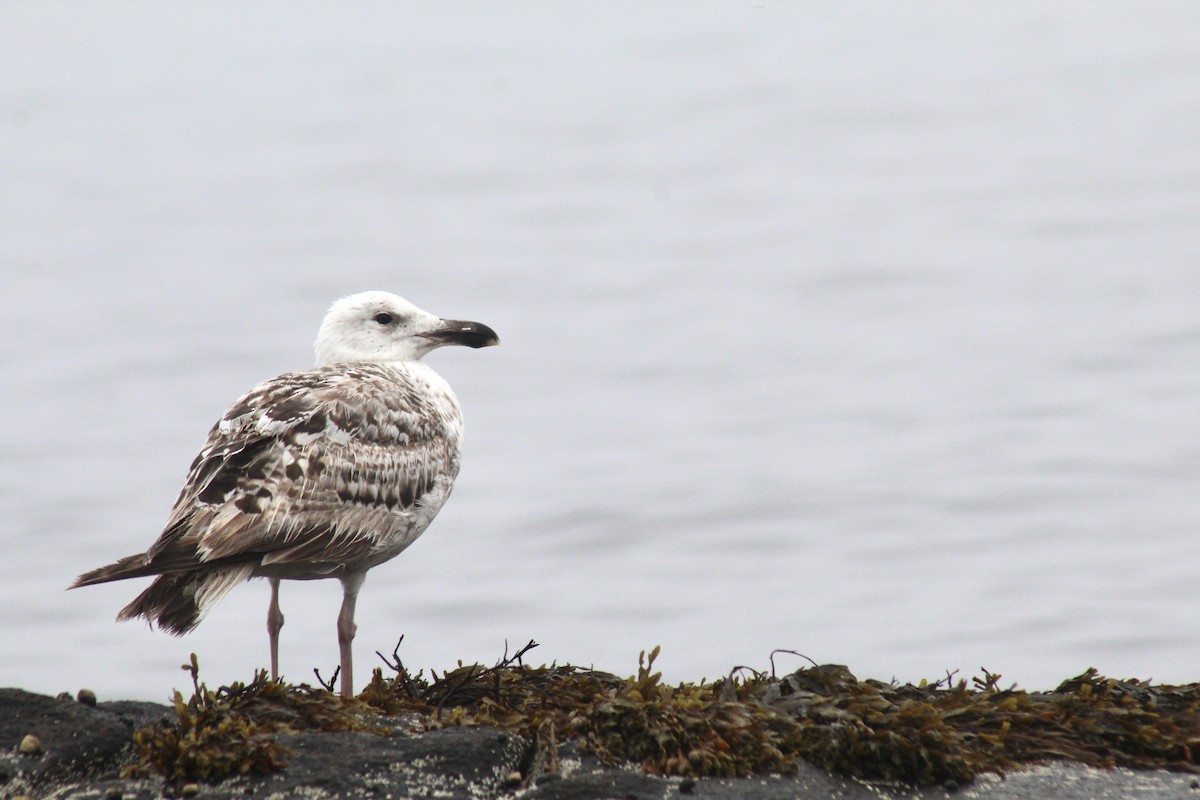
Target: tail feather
<point>127,567</point>
<point>177,601</point>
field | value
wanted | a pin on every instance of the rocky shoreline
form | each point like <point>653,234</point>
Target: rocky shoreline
<point>73,748</point>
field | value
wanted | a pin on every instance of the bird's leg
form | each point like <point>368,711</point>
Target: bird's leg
<point>346,628</point>
<point>274,625</point>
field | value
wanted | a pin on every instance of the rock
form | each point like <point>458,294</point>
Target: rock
<point>73,739</point>
<point>585,778</point>
<point>595,785</point>
<point>138,713</point>
<point>83,748</point>
<point>462,763</point>
<point>466,763</point>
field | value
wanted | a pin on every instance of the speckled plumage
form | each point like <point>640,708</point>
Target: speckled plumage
<point>307,475</point>
<point>322,473</point>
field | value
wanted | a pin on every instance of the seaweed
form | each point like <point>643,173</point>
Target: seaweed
<point>230,731</point>
<point>747,723</point>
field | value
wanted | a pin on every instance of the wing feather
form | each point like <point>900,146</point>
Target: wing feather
<point>326,466</point>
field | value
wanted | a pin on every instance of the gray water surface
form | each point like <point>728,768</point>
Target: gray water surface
<point>866,330</point>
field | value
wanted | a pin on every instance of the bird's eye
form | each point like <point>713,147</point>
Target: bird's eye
<point>384,318</point>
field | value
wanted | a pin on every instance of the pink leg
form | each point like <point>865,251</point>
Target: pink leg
<point>274,625</point>
<point>346,629</point>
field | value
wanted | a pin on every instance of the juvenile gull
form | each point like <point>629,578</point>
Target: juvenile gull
<point>323,473</point>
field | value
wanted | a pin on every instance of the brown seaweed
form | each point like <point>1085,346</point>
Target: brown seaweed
<point>747,723</point>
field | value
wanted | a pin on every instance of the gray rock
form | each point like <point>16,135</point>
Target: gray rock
<point>138,713</point>
<point>77,740</point>
<point>1058,781</point>
<point>84,748</point>
<point>455,763</point>
<point>612,784</point>
<point>451,763</point>
<point>585,778</point>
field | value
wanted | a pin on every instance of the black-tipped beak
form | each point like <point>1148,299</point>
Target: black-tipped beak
<point>459,331</point>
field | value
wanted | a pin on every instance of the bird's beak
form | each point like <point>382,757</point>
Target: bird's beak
<point>458,331</point>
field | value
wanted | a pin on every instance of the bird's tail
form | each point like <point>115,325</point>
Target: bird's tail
<point>177,601</point>
<point>127,567</point>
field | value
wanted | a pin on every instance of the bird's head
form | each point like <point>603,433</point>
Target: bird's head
<point>378,326</point>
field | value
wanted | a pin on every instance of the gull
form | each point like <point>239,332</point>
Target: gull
<point>322,473</point>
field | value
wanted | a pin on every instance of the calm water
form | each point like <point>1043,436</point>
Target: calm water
<point>871,332</point>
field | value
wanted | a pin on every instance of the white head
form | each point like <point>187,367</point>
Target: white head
<point>378,326</point>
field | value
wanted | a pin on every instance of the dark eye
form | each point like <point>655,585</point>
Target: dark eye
<point>384,318</point>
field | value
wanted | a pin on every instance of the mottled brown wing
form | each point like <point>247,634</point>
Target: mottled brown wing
<point>314,466</point>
